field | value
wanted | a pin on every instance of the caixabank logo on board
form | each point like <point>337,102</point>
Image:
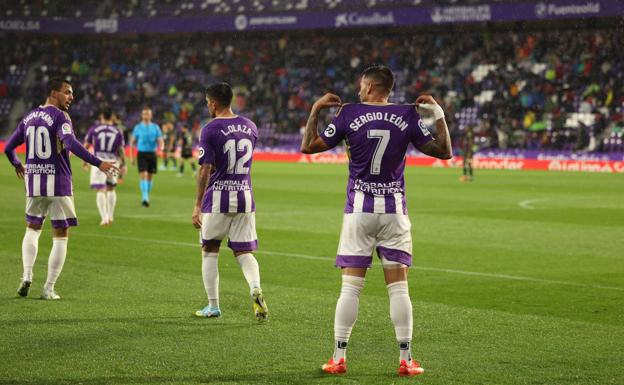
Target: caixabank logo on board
<point>363,19</point>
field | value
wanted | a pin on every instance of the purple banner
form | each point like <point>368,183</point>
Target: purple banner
<point>545,10</point>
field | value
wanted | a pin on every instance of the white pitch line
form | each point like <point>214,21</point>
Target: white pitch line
<point>528,203</point>
<point>319,258</point>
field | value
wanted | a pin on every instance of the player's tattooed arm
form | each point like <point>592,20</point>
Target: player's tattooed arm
<point>312,142</point>
<point>202,181</point>
<point>440,146</point>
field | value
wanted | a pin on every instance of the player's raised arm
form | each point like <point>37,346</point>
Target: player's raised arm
<point>440,146</point>
<point>312,142</point>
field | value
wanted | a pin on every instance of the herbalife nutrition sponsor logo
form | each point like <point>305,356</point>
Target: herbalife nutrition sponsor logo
<point>242,22</point>
<point>579,9</point>
<point>461,13</point>
<point>360,19</point>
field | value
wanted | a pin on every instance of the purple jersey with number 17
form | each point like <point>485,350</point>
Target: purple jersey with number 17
<point>377,137</point>
<point>106,141</point>
<point>48,170</point>
<point>228,144</point>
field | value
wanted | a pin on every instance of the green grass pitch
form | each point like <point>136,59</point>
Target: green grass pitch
<point>518,278</point>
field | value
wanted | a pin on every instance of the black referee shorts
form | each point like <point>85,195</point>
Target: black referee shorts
<point>147,162</point>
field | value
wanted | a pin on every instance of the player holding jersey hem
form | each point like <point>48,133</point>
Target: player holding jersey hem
<point>49,136</point>
<point>224,204</point>
<point>108,144</point>
<point>377,134</point>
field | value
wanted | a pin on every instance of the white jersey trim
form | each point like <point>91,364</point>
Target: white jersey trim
<point>247,194</point>
<point>216,201</point>
<point>358,202</point>
<point>379,204</point>
<point>398,203</point>
<point>50,185</point>
<point>233,201</point>
<point>36,185</point>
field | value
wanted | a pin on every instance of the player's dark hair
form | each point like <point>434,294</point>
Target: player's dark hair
<point>221,93</point>
<point>107,112</point>
<point>380,75</point>
<point>55,84</point>
<point>146,107</point>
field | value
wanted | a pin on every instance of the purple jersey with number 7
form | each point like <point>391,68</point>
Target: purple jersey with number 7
<point>228,144</point>
<point>377,138</point>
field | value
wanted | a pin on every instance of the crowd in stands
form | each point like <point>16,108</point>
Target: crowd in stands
<point>532,89</point>
<point>153,8</point>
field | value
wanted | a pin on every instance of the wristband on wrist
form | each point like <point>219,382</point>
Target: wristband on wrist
<point>432,110</point>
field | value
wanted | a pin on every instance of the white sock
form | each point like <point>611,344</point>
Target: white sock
<point>210,274</point>
<point>100,200</point>
<point>401,315</point>
<point>111,197</point>
<point>56,261</point>
<point>30,245</point>
<point>250,269</point>
<point>346,313</point>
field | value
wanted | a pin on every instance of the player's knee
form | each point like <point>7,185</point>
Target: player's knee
<point>61,232</point>
<point>394,271</point>
<point>34,226</point>
<point>351,280</point>
<point>210,248</point>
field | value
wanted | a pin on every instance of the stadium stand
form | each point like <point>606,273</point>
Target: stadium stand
<point>520,89</point>
<point>151,8</point>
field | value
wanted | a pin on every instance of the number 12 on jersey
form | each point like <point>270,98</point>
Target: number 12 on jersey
<point>231,148</point>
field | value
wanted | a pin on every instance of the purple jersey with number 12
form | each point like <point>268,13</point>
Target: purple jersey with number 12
<point>228,144</point>
<point>106,141</point>
<point>48,170</point>
<point>377,137</point>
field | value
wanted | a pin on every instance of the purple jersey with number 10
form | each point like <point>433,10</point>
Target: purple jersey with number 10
<point>106,141</point>
<point>228,144</point>
<point>48,170</point>
<point>377,137</point>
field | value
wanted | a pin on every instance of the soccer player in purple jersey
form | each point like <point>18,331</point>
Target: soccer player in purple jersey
<point>377,134</point>
<point>224,204</point>
<point>108,144</point>
<point>49,136</point>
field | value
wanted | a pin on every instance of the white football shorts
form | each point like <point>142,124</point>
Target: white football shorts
<point>363,233</point>
<point>240,228</point>
<point>60,209</point>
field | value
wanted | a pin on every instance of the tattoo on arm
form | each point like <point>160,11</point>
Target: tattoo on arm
<point>310,132</point>
<point>443,138</point>
<point>202,182</point>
